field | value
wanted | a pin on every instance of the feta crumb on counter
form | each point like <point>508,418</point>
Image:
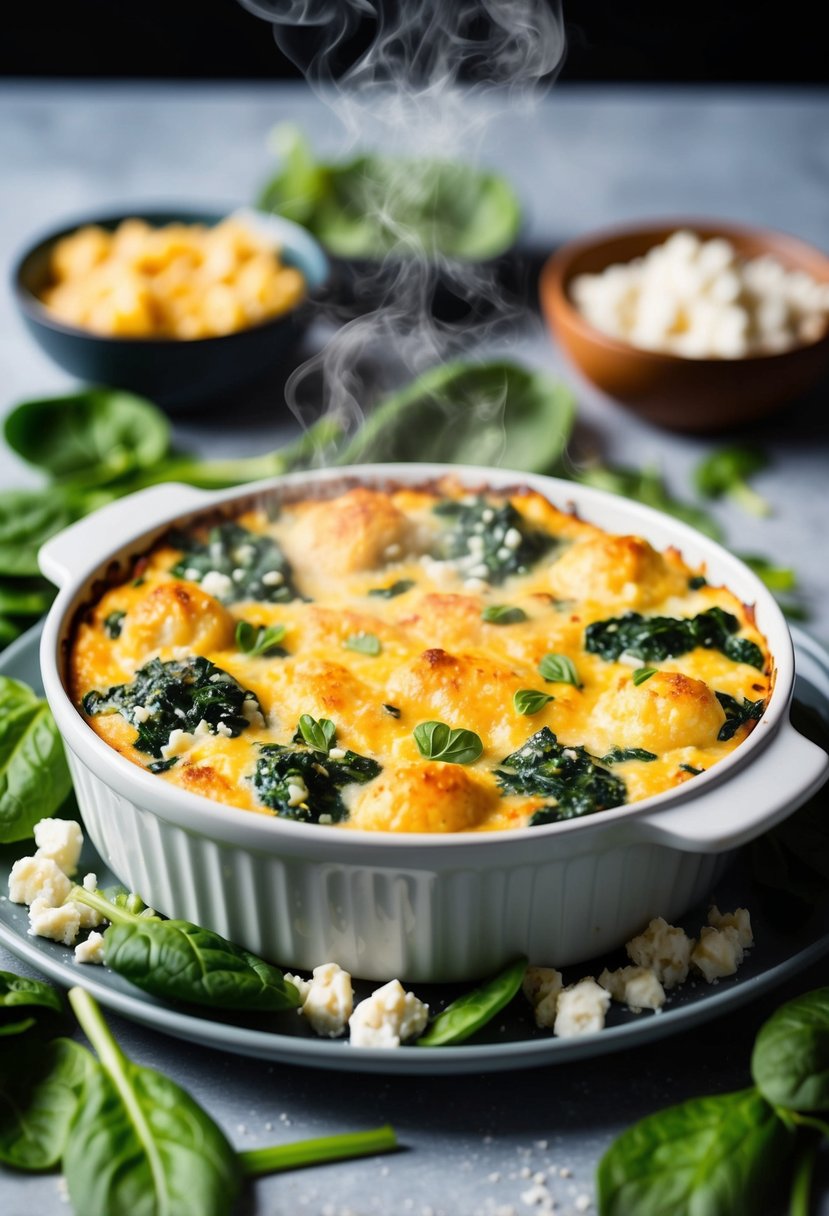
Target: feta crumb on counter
<point>581,1009</point>
<point>61,840</point>
<point>327,999</point>
<point>636,987</point>
<point>541,986</point>
<point>91,950</point>
<point>739,920</point>
<point>664,949</point>
<point>717,953</point>
<point>40,878</point>
<point>388,1017</point>
<point>60,924</point>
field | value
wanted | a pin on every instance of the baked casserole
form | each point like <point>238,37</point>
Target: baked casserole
<point>418,659</point>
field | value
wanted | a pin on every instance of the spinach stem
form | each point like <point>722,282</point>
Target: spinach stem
<point>94,899</point>
<point>800,1196</point>
<point>259,1161</point>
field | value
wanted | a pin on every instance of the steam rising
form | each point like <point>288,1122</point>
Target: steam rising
<point>417,79</point>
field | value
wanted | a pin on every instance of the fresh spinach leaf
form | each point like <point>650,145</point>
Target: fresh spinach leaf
<point>737,715</point>
<point>776,578</point>
<point>489,540</point>
<point>790,1061</point>
<point>41,1084</point>
<point>260,641</point>
<point>92,437</point>
<point>374,205</point>
<point>529,701</point>
<point>25,597</point>
<point>27,519</point>
<point>114,623</point>
<point>648,486</point>
<point>654,638</point>
<point>495,413</point>
<point>503,614</point>
<point>34,778</point>
<point>569,777</point>
<point>21,998</point>
<point>394,589</point>
<point>254,566</point>
<point>138,1143</point>
<point>363,643</point>
<point>719,1156</point>
<point>437,741</point>
<point>465,1016</point>
<point>618,755</point>
<point>304,782</point>
<point>726,472</point>
<point>558,669</point>
<point>177,694</point>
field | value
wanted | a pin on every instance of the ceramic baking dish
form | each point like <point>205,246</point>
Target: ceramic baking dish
<point>420,907</point>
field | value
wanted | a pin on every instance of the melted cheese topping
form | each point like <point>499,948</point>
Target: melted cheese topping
<point>439,658</point>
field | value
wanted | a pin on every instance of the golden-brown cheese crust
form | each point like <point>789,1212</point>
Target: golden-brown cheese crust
<point>438,659</point>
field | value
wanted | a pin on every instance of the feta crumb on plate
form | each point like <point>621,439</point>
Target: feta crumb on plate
<point>541,986</point>
<point>327,999</point>
<point>40,878</point>
<point>664,949</point>
<point>636,987</point>
<point>388,1017</point>
<point>60,924</point>
<point>717,953</point>
<point>581,1009</point>
<point>739,920</point>
<point>61,840</point>
<point>91,950</point>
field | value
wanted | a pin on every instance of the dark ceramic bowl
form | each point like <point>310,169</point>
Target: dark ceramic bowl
<point>174,373</point>
<point>680,393</point>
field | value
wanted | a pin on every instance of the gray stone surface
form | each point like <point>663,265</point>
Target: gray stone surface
<point>586,157</point>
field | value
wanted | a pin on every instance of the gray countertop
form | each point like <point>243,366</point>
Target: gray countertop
<point>584,158</point>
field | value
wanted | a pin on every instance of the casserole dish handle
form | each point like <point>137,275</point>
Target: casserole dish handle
<point>77,549</point>
<point>779,779</point>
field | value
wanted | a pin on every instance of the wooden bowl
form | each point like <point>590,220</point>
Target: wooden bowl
<point>681,393</point>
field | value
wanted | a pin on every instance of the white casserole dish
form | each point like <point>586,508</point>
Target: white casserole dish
<point>419,907</point>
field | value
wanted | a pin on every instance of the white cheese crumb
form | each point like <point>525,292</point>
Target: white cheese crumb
<point>582,1203</point>
<point>140,714</point>
<point>40,878</point>
<point>636,987</point>
<point>217,584</point>
<point>393,550</point>
<point>245,554</point>
<point>60,839</point>
<point>297,792</point>
<point>717,953</point>
<point>273,578</point>
<point>60,924</point>
<point>541,986</point>
<point>180,741</point>
<point>739,920</point>
<point>474,584</point>
<point>581,1009</point>
<point>90,882</point>
<point>663,948</point>
<point>92,950</point>
<point>336,753</point>
<point>328,1000</point>
<point>223,729</point>
<point>203,728</point>
<point>536,1196</point>
<point>388,1017</point>
<point>252,712</point>
<point>512,538</point>
<point>302,986</point>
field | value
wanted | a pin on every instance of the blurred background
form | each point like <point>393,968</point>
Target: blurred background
<point>646,41</point>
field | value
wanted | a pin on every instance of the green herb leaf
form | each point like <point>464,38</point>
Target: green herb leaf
<point>139,1143</point>
<point>618,755</point>
<point>737,715</point>
<point>689,768</point>
<point>642,674</point>
<point>529,701</point>
<point>496,413</point>
<point>319,735</point>
<point>465,1016</point>
<point>40,1087</point>
<point>790,1061</point>
<point>34,778</point>
<point>363,643</point>
<point>258,641</point>
<point>437,741</point>
<point>726,472</point>
<point>503,614</point>
<point>114,623</point>
<point>20,998</point>
<point>394,589</point>
<point>558,669</point>
<point>717,1156</point>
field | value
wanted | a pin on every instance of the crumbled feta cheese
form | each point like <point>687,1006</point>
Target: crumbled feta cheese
<point>717,953</point>
<point>192,573</point>
<point>663,948</point>
<point>302,986</point>
<point>273,578</point>
<point>223,729</point>
<point>328,1000</point>
<point>90,882</point>
<point>245,554</point>
<point>336,753</point>
<point>393,551</point>
<point>91,950</point>
<point>180,741</point>
<point>297,791</point>
<point>203,728</point>
<point>478,572</point>
<point>541,986</point>
<point>739,919</point>
<point>217,584</point>
<point>388,1017</point>
<point>474,584</point>
<point>512,538</point>
<point>581,1009</point>
<point>636,987</point>
<point>60,924</point>
<point>60,839</point>
<point>252,712</point>
<point>40,878</point>
<point>140,714</point>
